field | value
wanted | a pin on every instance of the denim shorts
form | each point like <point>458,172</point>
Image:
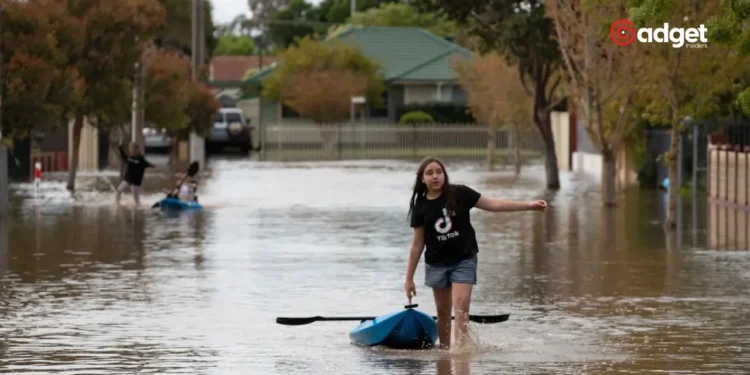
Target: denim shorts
<point>440,276</point>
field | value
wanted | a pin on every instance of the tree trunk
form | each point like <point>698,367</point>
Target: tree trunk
<point>491,143</point>
<point>77,127</point>
<point>609,177</point>
<point>672,164</point>
<point>543,122</point>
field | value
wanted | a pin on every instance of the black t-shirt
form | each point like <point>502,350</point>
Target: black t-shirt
<point>448,239</point>
<point>136,167</point>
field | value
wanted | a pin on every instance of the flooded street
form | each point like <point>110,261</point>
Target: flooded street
<point>88,288</point>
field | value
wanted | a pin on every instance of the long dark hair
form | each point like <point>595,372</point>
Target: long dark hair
<point>420,189</point>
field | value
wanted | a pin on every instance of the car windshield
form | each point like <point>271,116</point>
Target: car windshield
<point>219,117</point>
<point>233,117</point>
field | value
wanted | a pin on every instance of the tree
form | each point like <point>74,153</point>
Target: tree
<point>173,100</point>
<point>521,32</point>
<point>684,81</point>
<point>317,79</point>
<point>729,28</point>
<point>312,56</point>
<point>177,29</point>
<point>400,14</point>
<point>167,78</point>
<point>38,86</point>
<point>323,95</point>
<point>234,45</point>
<point>106,60</point>
<point>599,77</point>
<point>497,98</point>
<point>338,11</point>
<point>292,22</point>
<point>289,20</point>
<point>202,107</point>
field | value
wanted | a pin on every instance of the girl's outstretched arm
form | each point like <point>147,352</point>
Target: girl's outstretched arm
<point>500,205</point>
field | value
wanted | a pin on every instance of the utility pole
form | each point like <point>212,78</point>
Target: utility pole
<point>353,8</point>
<point>138,115</point>
<point>3,152</point>
<point>196,145</point>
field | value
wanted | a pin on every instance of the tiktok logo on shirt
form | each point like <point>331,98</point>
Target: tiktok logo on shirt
<point>444,225</point>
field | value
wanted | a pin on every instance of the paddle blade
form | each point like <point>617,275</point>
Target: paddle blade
<point>312,319</point>
<point>193,169</point>
<point>297,321</point>
<point>488,319</point>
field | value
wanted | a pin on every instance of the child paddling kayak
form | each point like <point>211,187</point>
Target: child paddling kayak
<point>450,241</point>
<point>136,165</point>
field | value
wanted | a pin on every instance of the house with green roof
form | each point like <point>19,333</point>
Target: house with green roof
<point>418,68</point>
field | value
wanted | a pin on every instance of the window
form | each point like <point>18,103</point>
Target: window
<point>233,117</point>
<point>419,93</point>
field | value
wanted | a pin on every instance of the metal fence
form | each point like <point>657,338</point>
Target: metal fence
<point>398,142</point>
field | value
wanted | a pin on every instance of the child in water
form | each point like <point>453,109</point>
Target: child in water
<point>136,165</point>
<point>439,214</point>
<point>187,190</point>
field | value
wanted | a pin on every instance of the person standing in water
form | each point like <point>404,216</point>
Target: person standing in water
<point>136,165</point>
<point>451,243</point>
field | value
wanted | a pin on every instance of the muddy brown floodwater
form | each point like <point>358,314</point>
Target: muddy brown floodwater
<point>89,288</point>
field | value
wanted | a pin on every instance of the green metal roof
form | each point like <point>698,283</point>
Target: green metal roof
<point>406,53</point>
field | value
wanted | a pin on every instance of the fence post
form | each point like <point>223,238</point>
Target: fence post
<point>414,153</point>
<point>695,158</point>
<point>695,184</point>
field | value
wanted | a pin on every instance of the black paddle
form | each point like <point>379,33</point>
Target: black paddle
<point>484,319</point>
<point>191,171</point>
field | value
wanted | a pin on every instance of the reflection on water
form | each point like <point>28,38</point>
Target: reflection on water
<point>3,244</point>
<point>90,288</point>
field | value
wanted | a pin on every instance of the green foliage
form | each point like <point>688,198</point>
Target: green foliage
<point>400,14</point>
<point>684,81</point>
<point>416,117</point>
<point>446,113</point>
<point>743,99</point>
<point>643,11</point>
<point>177,31</point>
<point>727,27</point>
<point>234,45</point>
<point>300,19</point>
<point>311,55</point>
<point>296,20</point>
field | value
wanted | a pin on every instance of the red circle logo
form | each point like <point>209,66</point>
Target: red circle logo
<point>622,32</point>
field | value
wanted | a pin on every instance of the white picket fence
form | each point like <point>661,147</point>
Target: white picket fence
<point>394,141</point>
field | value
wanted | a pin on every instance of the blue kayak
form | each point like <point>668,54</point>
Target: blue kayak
<point>177,204</point>
<point>406,329</point>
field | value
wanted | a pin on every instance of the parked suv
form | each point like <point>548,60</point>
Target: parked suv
<point>230,129</point>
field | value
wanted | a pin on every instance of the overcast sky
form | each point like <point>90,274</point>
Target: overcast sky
<point>226,10</point>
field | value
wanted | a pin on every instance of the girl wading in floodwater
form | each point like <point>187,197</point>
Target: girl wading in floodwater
<point>451,256</point>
